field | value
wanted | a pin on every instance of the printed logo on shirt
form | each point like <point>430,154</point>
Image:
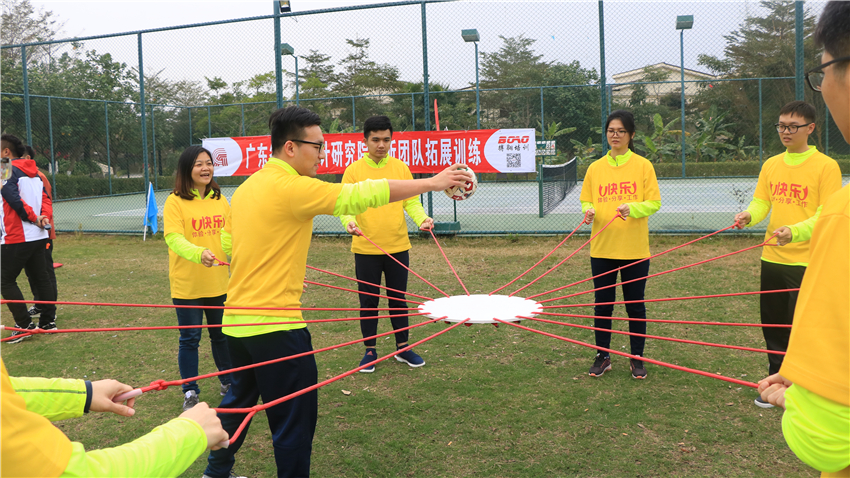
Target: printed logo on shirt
<point>784,193</point>
<point>207,225</point>
<point>624,191</point>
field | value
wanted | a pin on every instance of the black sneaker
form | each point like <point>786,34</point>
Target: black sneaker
<point>34,310</point>
<point>761,403</point>
<point>370,356</point>
<point>190,399</point>
<point>48,326</point>
<point>225,387</point>
<point>21,335</point>
<point>638,369</point>
<point>601,365</point>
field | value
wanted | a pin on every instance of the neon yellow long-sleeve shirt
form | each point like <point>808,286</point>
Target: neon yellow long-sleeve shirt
<point>32,446</point>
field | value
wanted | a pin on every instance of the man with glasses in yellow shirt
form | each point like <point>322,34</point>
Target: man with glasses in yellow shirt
<point>813,385</point>
<point>794,185</point>
<point>268,236</point>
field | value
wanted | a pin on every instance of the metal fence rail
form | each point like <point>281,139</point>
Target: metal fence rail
<point>109,113</point>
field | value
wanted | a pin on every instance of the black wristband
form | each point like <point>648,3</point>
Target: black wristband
<point>88,397</point>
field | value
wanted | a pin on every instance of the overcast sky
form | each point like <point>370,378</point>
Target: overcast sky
<point>636,34</point>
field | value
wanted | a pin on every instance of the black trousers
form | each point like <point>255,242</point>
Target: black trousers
<point>27,256</point>
<point>369,268</point>
<point>778,308</point>
<point>51,274</point>
<point>631,291</point>
<point>293,422</point>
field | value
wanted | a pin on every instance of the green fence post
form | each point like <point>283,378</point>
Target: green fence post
<point>425,89</point>
<point>602,79</point>
<point>108,152</point>
<point>542,124</point>
<point>353,116</point>
<point>144,119</point>
<point>540,188</point>
<point>153,140</point>
<point>27,116</point>
<point>761,126</point>
<point>798,49</point>
<point>826,133</point>
<point>413,112</point>
<point>209,121</point>
<point>278,81</point>
<point>189,109</point>
<point>243,118</point>
<point>52,154</point>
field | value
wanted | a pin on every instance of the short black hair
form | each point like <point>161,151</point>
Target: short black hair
<point>29,151</point>
<point>833,32</point>
<point>377,123</point>
<point>289,123</point>
<point>15,145</point>
<point>800,108</point>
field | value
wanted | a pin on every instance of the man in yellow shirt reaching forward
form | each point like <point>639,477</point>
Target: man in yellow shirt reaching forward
<point>387,228</point>
<point>794,185</point>
<point>268,236</point>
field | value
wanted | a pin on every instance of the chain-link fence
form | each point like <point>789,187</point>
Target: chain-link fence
<point>559,68</point>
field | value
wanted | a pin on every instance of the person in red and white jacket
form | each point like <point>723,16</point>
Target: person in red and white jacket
<point>23,237</point>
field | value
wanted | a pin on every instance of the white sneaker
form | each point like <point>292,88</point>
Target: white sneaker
<point>232,475</point>
<point>191,400</point>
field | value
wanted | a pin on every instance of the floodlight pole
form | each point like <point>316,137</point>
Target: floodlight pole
<point>798,35</point>
<point>477,90</point>
<point>683,22</point>
<point>682,68</point>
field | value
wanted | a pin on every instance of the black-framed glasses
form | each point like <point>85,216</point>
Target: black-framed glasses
<point>791,128</point>
<point>320,145</point>
<point>621,132</point>
<point>814,77</point>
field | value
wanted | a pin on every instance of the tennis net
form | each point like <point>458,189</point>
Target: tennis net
<point>555,182</point>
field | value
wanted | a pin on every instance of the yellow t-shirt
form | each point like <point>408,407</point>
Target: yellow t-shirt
<point>607,187</point>
<point>385,225</point>
<point>271,225</point>
<point>818,355</point>
<point>794,193</point>
<point>199,221</point>
<point>32,446</point>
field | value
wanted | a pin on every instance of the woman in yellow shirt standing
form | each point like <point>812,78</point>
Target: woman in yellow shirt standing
<point>623,183</point>
<point>194,215</point>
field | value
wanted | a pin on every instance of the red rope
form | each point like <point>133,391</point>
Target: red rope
<point>203,326</point>
<point>163,384</point>
<point>569,256</point>
<point>224,307</point>
<point>660,273</point>
<point>670,339</point>
<point>665,321</point>
<point>583,222</point>
<point>633,263</point>
<point>369,283</point>
<point>670,299</point>
<point>617,352</point>
<point>362,292</point>
<point>447,260</point>
<point>264,406</point>
<point>399,262</point>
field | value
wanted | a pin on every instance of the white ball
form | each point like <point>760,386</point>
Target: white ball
<point>459,193</point>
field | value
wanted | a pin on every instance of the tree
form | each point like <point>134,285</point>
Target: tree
<point>762,47</point>
<point>572,105</point>
<point>24,24</point>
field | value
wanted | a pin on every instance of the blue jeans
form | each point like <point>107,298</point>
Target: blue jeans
<point>293,422</point>
<point>187,354</point>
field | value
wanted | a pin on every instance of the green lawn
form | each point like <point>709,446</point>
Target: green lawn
<point>491,402</point>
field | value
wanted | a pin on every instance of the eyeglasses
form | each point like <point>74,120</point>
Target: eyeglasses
<point>814,77</point>
<point>320,145</point>
<point>791,128</point>
<point>621,132</point>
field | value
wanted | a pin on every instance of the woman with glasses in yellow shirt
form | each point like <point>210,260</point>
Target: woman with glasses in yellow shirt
<point>620,183</point>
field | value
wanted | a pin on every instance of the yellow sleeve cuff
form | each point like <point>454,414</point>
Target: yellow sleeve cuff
<point>183,248</point>
<point>638,210</point>
<point>226,242</point>
<point>585,205</point>
<point>802,231</point>
<point>815,429</point>
<point>414,209</point>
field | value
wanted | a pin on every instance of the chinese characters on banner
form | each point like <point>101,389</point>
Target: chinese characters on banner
<point>485,151</point>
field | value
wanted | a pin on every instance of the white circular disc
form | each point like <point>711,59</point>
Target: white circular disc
<point>481,308</point>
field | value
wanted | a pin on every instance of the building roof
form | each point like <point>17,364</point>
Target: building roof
<point>664,66</point>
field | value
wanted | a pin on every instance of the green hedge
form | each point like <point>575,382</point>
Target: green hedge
<point>703,170</point>
<point>69,187</point>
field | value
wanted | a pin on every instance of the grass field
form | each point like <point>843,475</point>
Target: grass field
<point>489,403</point>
